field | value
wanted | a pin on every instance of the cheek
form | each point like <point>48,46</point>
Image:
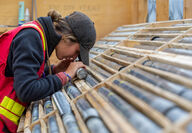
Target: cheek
<point>71,51</point>
<point>59,52</point>
<point>64,51</point>
<point>74,52</point>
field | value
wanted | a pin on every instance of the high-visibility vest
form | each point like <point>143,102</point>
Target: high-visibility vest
<point>11,108</point>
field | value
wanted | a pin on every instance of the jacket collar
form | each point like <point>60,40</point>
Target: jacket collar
<point>52,37</point>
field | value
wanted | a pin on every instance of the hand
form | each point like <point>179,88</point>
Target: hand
<point>62,66</point>
<point>73,67</point>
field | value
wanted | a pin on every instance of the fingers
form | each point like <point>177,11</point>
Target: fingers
<point>80,64</point>
<point>77,65</point>
<point>68,59</point>
<point>73,67</point>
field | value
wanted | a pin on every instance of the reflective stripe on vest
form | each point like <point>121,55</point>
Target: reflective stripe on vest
<point>33,25</point>
<point>11,109</point>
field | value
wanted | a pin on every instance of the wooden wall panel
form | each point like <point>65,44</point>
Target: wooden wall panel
<point>162,10</point>
<point>142,11</point>
<point>107,14</point>
<point>10,10</point>
<point>134,11</point>
<point>187,10</point>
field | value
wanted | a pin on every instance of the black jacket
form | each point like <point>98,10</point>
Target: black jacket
<point>25,58</point>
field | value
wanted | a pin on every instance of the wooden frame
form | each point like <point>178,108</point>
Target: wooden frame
<point>113,120</point>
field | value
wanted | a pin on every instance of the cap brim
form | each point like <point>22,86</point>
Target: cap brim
<point>84,55</point>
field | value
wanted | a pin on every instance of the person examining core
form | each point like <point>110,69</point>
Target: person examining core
<point>25,72</point>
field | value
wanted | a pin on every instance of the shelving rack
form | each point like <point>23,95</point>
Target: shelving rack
<point>143,73</point>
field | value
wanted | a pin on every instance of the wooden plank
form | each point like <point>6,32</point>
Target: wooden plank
<point>136,25</point>
<point>142,11</point>
<point>180,61</point>
<point>104,66</point>
<point>41,112</point>
<point>78,97</point>
<point>28,117</point>
<point>125,49</point>
<point>163,35</point>
<point>27,130</point>
<point>101,46</point>
<point>110,40</point>
<point>117,60</point>
<point>125,30</point>
<point>34,123</point>
<point>111,35</point>
<point>85,85</point>
<point>140,52</point>
<point>147,42</point>
<point>79,119</point>
<point>171,28</point>
<point>49,114</point>
<point>94,52</point>
<point>187,10</point>
<point>43,126</point>
<point>181,45</point>
<point>58,118</point>
<point>134,11</point>
<point>21,124</point>
<point>79,86</point>
<point>162,10</point>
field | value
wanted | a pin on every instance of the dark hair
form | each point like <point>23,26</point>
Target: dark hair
<point>61,26</point>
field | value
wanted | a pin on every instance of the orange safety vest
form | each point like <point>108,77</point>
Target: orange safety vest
<point>11,108</point>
